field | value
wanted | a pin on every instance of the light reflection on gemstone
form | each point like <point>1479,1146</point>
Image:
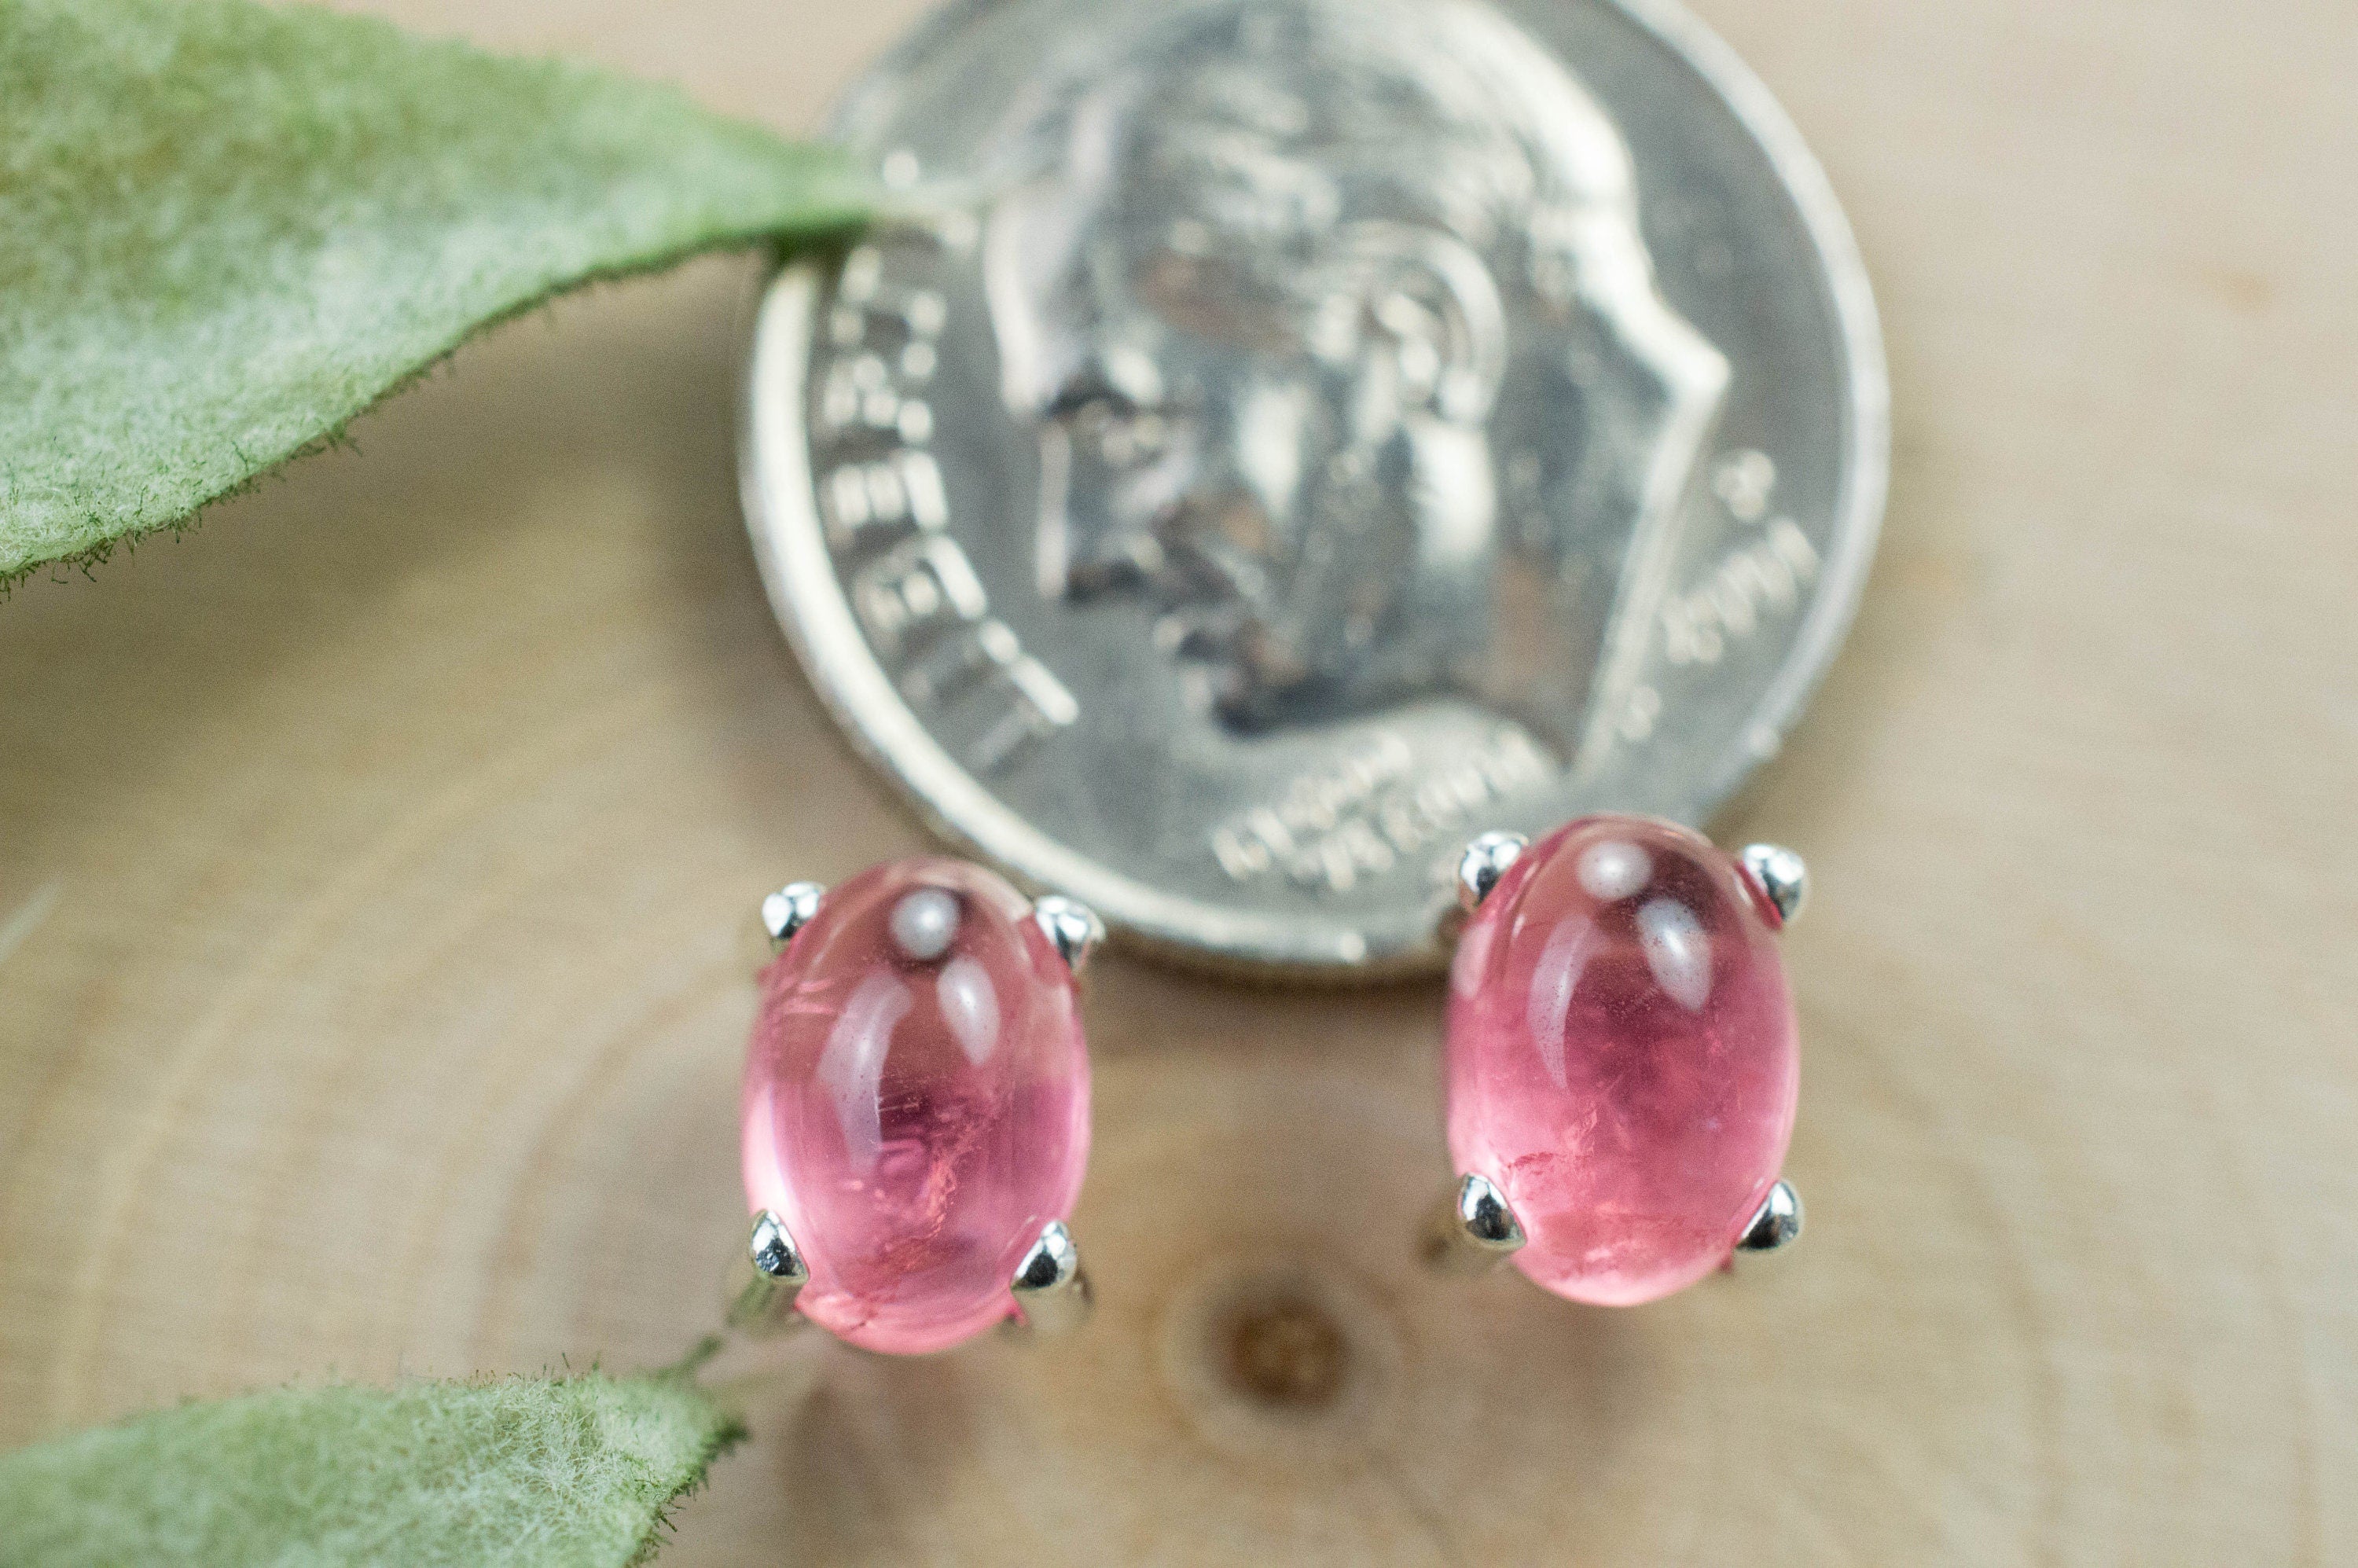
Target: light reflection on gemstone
<point>1553,980</point>
<point>924,923</point>
<point>1613,869</point>
<point>1676,950</point>
<point>970,1006</point>
<point>852,1065</point>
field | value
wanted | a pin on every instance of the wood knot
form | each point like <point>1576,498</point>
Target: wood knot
<point>1287,1351</point>
<point>1281,1359</point>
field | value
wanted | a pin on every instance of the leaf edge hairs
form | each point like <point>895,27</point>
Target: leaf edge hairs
<point>226,229</point>
<point>581,1472</point>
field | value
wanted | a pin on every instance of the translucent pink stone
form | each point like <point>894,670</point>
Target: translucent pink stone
<point>917,1101</point>
<point>1622,1059</point>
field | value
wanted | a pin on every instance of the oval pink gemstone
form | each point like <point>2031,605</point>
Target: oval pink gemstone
<point>1623,1059</point>
<point>917,1101</point>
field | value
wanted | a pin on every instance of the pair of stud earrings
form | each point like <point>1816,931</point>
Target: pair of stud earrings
<point>1622,1071</point>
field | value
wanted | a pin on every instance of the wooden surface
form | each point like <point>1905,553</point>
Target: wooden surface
<point>376,869</point>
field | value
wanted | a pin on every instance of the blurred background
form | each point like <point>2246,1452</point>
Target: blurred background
<point>378,862</point>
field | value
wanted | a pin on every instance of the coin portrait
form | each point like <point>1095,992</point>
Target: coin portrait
<point>1314,432</point>
<point>1328,317</point>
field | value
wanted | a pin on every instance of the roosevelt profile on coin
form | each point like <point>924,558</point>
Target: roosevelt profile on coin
<point>1343,347</point>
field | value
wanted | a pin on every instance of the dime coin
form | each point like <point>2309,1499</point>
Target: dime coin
<point>1320,431</point>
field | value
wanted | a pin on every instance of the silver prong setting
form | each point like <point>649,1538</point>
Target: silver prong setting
<point>1780,876</point>
<point>1485,861</point>
<point>1050,1287</point>
<point>789,909</point>
<point>1071,926</point>
<point>769,1276</point>
<point>1472,1230</point>
<point>1777,1224</point>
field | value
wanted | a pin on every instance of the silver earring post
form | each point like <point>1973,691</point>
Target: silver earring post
<point>1485,861</point>
<point>1471,1229</point>
<point>789,909</point>
<point>768,1276</point>
<point>1780,873</point>
<point>1071,926</point>
<point>1050,1286</point>
<point>1776,1224</point>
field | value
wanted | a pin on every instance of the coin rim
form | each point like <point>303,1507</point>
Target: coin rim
<point>809,604</point>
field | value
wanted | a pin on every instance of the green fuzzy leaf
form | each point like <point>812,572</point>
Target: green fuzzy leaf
<point>518,1474</point>
<point>226,228</point>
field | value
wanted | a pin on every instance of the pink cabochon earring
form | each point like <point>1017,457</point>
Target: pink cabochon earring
<point>1623,1059</point>
<point>917,1109</point>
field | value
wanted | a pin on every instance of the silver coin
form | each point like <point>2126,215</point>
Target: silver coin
<point>1320,431</point>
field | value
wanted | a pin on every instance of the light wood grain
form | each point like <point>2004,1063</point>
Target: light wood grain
<point>375,870</point>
